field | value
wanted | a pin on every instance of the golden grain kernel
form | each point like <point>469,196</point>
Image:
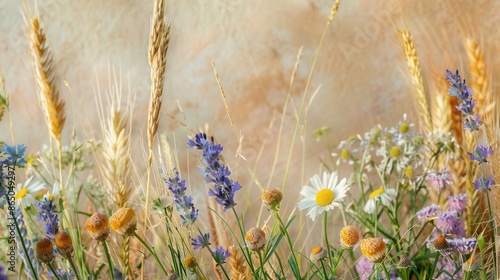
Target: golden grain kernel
<point>123,221</point>
<point>349,236</point>
<point>64,243</point>
<point>317,253</point>
<point>45,250</point>
<point>256,239</point>
<point>98,227</point>
<point>190,262</point>
<point>373,248</point>
<point>272,198</point>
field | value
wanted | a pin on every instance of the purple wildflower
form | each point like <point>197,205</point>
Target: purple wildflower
<point>467,107</point>
<point>215,171</point>
<point>463,245</point>
<point>63,275</point>
<point>484,183</point>
<point>183,203</point>
<point>428,212</point>
<point>448,270</point>
<point>457,203</point>
<point>472,123</point>
<point>15,154</point>
<point>48,215</point>
<point>201,241</point>
<point>24,247</point>
<point>481,153</point>
<point>439,180</point>
<point>364,268</point>
<point>449,223</point>
<point>190,217</point>
<point>220,255</point>
<point>458,87</point>
<point>2,276</point>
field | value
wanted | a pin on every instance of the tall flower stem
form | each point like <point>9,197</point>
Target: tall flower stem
<point>151,251</point>
<point>492,226</point>
<point>261,262</point>
<point>325,231</point>
<point>51,267</point>
<point>108,258</point>
<point>242,232</point>
<point>284,231</point>
<point>72,264</point>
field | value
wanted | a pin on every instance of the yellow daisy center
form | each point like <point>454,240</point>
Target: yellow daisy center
<point>395,152</point>
<point>377,193</point>
<point>344,154</point>
<point>22,193</point>
<point>324,197</point>
<point>316,250</point>
<point>50,196</point>
<point>408,171</point>
<point>404,127</point>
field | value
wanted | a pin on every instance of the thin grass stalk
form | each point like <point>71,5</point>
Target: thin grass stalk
<point>416,77</point>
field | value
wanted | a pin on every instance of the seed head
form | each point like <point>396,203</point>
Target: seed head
<point>441,244</point>
<point>98,227</point>
<point>123,221</point>
<point>373,248</point>
<point>349,236</point>
<point>45,250</point>
<point>272,198</point>
<point>317,253</point>
<point>64,244</point>
<point>190,262</point>
<point>256,239</point>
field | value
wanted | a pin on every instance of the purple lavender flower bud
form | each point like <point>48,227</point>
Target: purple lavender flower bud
<point>201,241</point>
<point>220,255</point>
<point>458,87</point>
<point>484,183</point>
<point>472,123</point>
<point>481,153</point>
<point>457,203</point>
<point>48,215</point>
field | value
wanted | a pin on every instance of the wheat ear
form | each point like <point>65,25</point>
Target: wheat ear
<point>479,80</point>
<point>416,77</point>
<point>237,265</point>
<point>50,99</point>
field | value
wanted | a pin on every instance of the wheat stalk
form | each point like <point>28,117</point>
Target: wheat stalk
<point>416,77</point>
<point>479,80</point>
<point>237,265</point>
<point>50,99</point>
<point>158,45</point>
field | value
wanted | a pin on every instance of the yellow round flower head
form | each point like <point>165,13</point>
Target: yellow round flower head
<point>349,237</point>
<point>45,250</point>
<point>98,227</point>
<point>64,244</point>
<point>317,253</point>
<point>123,221</point>
<point>190,262</point>
<point>256,239</point>
<point>373,248</point>
<point>272,198</point>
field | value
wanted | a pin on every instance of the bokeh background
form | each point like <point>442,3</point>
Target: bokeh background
<point>360,77</point>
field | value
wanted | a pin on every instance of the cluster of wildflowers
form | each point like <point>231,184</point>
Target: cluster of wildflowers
<point>215,171</point>
<point>184,203</point>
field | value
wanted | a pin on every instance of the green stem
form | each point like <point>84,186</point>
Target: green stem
<point>108,257</point>
<point>492,226</point>
<point>287,236</point>
<point>325,231</point>
<point>324,269</point>
<point>51,267</point>
<point>385,270</point>
<point>263,273</point>
<point>77,275</point>
<point>151,252</point>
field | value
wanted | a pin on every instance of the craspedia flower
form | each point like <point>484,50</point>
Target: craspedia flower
<point>441,244</point>
<point>317,253</point>
<point>324,195</point>
<point>190,262</point>
<point>256,239</point>
<point>349,236</point>
<point>373,248</point>
<point>97,226</point>
<point>272,198</point>
<point>45,250</point>
<point>123,221</point>
<point>64,244</point>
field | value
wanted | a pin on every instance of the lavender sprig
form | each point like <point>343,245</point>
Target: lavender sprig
<point>27,254</point>
<point>215,171</point>
<point>183,203</point>
<point>48,215</point>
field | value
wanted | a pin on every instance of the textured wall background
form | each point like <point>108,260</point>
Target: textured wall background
<point>361,73</point>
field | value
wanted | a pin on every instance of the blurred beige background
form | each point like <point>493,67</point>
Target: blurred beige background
<point>361,75</point>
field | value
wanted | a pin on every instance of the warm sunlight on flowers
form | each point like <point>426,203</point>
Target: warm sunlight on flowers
<point>25,194</point>
<point>324,195</point>
<point>386,196</point>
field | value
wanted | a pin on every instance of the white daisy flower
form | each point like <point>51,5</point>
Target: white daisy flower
<point>324,195</point>
<point>25,194</point>
<point>383,195</point>
<point>54,194</point>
